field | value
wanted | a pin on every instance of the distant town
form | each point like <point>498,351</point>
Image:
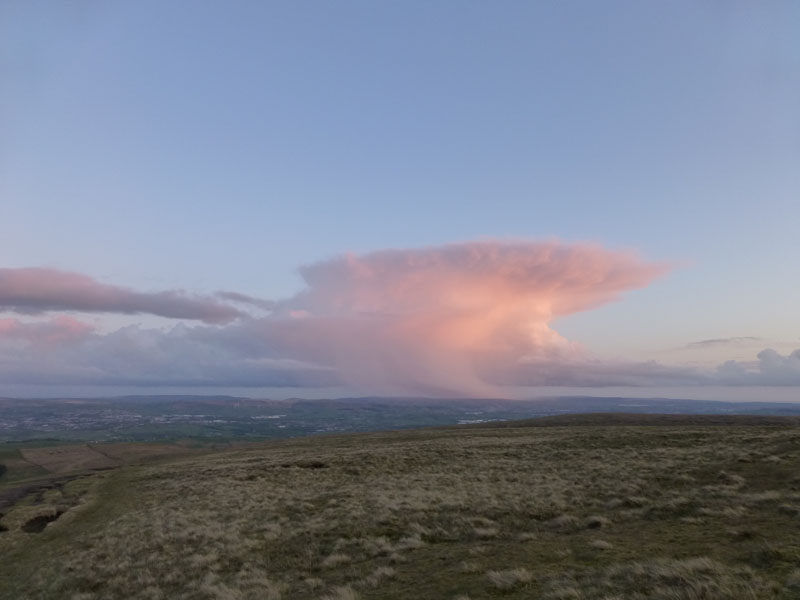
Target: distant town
<point>161,418</point>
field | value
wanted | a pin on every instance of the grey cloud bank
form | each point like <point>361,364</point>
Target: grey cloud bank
<point>37,290</point>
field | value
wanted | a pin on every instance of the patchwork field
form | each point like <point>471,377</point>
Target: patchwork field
<point>15,467</point>
<point>66,459</point>
<point>587,510</point>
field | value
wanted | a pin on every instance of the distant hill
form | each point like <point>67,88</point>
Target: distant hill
<point>165,418</point>
<point>639,419</point>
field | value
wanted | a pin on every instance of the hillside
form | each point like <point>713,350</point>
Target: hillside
<point>631,507</point>
<point>643,420</point>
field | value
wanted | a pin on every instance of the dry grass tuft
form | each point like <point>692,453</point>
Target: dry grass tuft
<point>469,566</point>
<point>378,575</point>
<point>335,560</point>
<point>509,579</point>
<point>692,579</point>
<point>342,593</point>
<point>410,542</point>
<point>563,522</point>
<point>314,582</point>
<point>486,532</point>
<point>793,581</point>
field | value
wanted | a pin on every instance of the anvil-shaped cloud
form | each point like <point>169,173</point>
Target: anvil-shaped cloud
<point>449,318</point>
<point>455,319</point>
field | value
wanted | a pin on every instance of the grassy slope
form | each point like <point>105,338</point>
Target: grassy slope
<point>16,467</point>
<point>679,511</point>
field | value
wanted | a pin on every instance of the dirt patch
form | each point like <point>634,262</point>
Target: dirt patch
<point>37,524</point>
<point>306,464</point>
<point>126,452</point>
<point>10,497</point>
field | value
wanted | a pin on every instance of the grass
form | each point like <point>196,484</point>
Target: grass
<point>68,458</point>
<point>510,579</point>
<point>670,511</point>
<point>16,468</point>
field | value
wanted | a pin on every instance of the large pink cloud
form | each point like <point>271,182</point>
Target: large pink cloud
<point>35,290</point>
<point>448,319</point>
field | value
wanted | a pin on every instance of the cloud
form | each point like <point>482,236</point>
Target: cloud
<point>447,319</point>
<point>135,356</point>
<point>56,331</point>
<point>770,368</point>
<point>593,372</point>
<point>460,319</point>
<point>717,342</point>
<point>247,300</point>
<point>37,290</point>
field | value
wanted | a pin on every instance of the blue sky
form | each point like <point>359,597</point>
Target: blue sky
<point>212,146</point>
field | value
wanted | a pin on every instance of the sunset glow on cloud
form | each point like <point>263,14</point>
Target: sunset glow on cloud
<point>457,319</point>
<point>57,330</point>
<point>449,319</point>
<point>469,319</point>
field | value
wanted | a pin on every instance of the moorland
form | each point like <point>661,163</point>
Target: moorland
<point>585,507</point>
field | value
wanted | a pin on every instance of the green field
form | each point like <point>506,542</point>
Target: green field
<point>16,468</point>
<point>588,508</point>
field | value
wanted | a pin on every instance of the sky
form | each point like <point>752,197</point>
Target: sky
<point>447,198</point>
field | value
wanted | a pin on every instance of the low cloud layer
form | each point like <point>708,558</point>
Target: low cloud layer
<point>463,319</point>
<point>721,342</point>
<point>467,319</point>
<point>770,368</point>
<point>37,290</point>
<point>54,332</point>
